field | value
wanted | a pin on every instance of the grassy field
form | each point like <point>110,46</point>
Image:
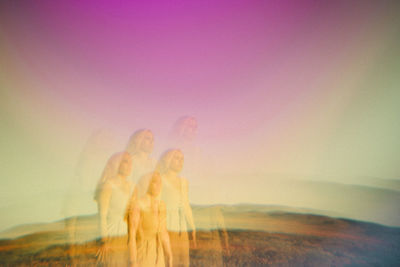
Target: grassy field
<point>257,237</point>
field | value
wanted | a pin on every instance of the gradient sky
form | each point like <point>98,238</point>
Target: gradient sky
<point>303,90</point>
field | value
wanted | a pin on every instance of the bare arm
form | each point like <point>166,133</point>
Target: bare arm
<point>164,233</point>
<point>133,223</point>
<point>188,208</point>
<point>221,224</point>
<point>103,206</point>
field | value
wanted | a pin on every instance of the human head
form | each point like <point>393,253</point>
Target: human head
<point>185,129</point>
<point>155,184</point>
<point>125,165</point>
<point>140,141</point>
<point>119,163</point>
<point>171,160</point>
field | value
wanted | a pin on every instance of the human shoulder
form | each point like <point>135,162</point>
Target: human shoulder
<point>107,185</point>
<point>105,191</point>
<point>145,178</point>
<point>184,181</point>
<point>137,203</point>
<point>143,202</point>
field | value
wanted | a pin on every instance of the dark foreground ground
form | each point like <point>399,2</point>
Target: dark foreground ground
<point>303,240</point>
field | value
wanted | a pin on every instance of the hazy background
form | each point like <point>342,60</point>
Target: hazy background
<point>297,104</point>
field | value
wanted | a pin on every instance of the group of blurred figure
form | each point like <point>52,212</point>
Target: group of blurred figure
<point>145,218</point>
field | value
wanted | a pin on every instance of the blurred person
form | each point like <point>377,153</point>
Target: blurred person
<point>112,195</point>
<point>199,162</point>
<point>215,238</point>
<point>179,212</point>
<point>79,198</point>
<point>184,137</point>
<point>148,238</point>
<point>140,146</point>
<point>184,131</point>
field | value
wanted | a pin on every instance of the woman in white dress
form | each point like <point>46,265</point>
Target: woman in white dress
<point>112,195</point>
<point>179,212</point>
<point>148,239</point>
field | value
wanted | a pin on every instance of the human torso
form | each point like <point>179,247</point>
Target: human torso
<point>150,251</point>
<point>117,207</point>
<point>173,196</point>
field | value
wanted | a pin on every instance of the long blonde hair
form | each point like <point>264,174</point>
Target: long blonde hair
<point>136,140</point>
<point>110,171</point>
<point>164,162</point>
<point>135,194</point>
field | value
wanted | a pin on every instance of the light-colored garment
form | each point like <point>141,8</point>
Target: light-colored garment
<point>141,168</point>
<point>174,201</point>
<point>116,225</point>
<point>176,222</point>
<point>149,246</point>
<point>117,255</point>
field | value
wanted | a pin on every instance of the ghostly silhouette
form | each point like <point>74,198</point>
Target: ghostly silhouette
<point>112,195</point>
<point>79,199</point>
<point>140,146</point>
<point>214,234</point>
<point>198,166</point>
<point>184,137</point>
<point>184,131</point>
<point>179,212</point>
<point>147,233</point>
